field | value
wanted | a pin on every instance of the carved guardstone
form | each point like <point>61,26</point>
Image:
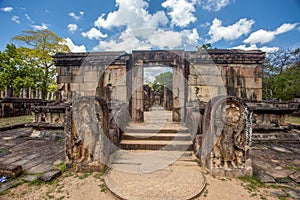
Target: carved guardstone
<point>227,136</point>
<point>87,145</point>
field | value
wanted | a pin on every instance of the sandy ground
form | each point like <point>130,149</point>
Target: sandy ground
<point>91,186</point>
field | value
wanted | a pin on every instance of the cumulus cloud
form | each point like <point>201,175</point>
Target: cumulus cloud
<point>72,27</point>
<point>180,12</point>
<point>132,14</point>
<point>150,38</point>
<point>264,36</point>
<point>74,48</point>
<point>218,31</point>
<point>76,17</point>
<point>94,33</point>
<point>254,47</point>
<point>214,5</point>
<point>7,9</point>
<point>40,27</point>
<point>15,19</point>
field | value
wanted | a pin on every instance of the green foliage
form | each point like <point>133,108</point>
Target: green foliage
<point>39,48</point>
<point>281,76</point>
<point>62,167</point>
<point>14,70</point>
<point>204,46</point>
<point>164,79</point>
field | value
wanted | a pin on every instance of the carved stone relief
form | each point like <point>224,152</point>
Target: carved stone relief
<point>226,137</point>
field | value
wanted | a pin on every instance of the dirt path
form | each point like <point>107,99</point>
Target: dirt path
<point>90,186</point>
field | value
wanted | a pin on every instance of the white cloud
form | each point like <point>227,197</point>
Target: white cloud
<point>166,39</point>
<point>7,9</point>
<point>76,17</point>
<point>263,36</point>
<point>15,19</point>
<point>214,5</point>
<point>131,14</point>
<point>218,31</point>
<point>72,27</point>
<point>94,33</point>
<point>145,39</point>
<point>40,27</point>
<point>73,47</point>
<point>29,18</point>
<point>254,47</point>
<point>180,12</point>
<point>298,28</point>
<point>125,42</point>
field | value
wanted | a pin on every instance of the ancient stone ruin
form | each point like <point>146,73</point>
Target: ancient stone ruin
<point>217,94</point>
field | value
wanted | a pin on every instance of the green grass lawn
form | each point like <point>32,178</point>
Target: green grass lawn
<point>294,120</point>
<point>15,120</point>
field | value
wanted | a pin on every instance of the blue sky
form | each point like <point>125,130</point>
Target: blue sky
<point>113,25</point>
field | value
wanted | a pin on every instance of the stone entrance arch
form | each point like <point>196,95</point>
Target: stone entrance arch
<point>174,59</point>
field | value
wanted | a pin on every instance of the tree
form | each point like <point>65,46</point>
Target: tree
<point>164,79</point>
<point>204,46</point>
<point>281,75</point>
<point>39,49</point>
<point>14,70</point>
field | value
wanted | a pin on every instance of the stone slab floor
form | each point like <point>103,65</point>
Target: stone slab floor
<point>277,164</point>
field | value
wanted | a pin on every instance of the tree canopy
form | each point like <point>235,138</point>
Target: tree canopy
<point>38,49</point>
<point>281,75</point>
<point>164,79</point>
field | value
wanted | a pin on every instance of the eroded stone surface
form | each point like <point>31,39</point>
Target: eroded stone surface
<point>227,137</point>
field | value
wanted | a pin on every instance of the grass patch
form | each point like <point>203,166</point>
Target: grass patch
<point>62,167</point>
<point>103,188</point>
<point>252,182</point>
<point>84,176</point>
<point>15,120</point>
<point>293,168</point>
<point>293,120</point>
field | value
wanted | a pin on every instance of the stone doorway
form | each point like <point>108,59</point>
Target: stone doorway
<point>143,59</point>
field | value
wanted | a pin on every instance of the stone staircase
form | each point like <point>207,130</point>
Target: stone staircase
<point>158,132</point>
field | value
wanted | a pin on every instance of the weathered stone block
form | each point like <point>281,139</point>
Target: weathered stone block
<point>87,145</point>
<point>227,137</point>
<point>11,171</point>
<point>50,175</point>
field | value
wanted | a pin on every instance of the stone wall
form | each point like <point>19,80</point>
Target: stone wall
<point>219,72</point>
<point>88,74</point>
<point>13,107</point>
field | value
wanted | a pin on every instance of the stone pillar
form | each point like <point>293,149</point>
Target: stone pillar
<point>52,96</point>
<point>8,91</point>
<point>48,96</point>
<point>40,94</point>
<point>29,93</point>
<point>137,93</point>
<point>24,93</point>
<point>21,93</point>
<point>178,93</point>
<point>2,94</point>
<point>36,93</point>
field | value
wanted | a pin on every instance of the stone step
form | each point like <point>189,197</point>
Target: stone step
<point>156,145</point>
<point>157,136</point>
<point>155,130</point>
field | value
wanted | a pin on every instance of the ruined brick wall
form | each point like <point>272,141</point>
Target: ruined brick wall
<point>218,72</point>
<point>85,74</point>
